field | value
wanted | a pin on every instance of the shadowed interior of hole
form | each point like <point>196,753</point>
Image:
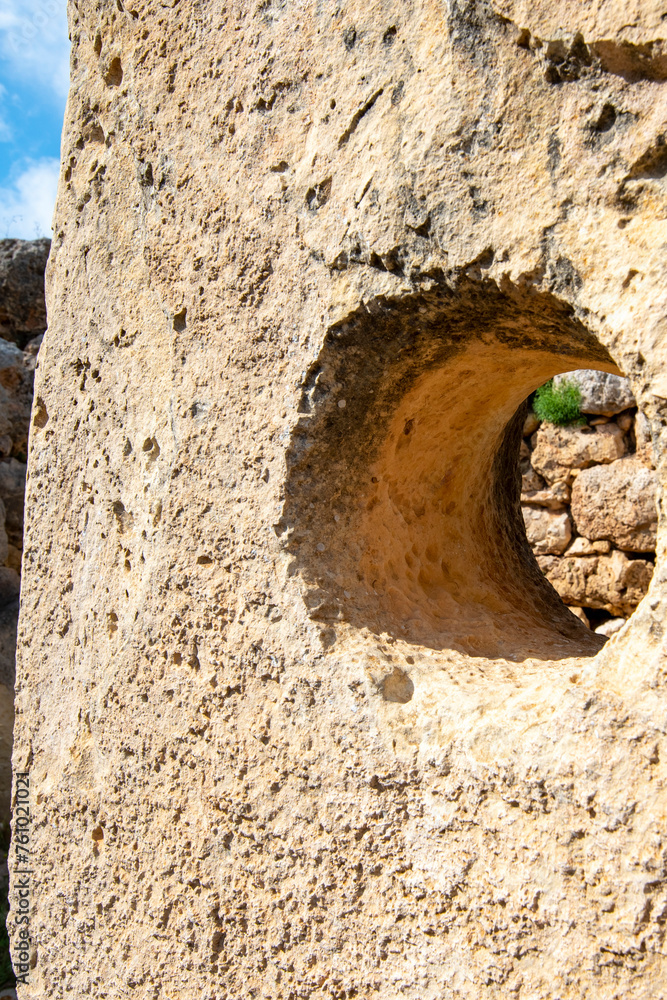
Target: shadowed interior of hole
<point>445,552</point>
<point>403,505</point>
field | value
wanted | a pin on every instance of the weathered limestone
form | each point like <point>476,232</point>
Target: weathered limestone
<point>612,582</point>
<point>547,531</point>
<point>22,324</point>
<point>606,507</point>
<point>600,392</point>
<point>554,497</point>
<point>611,626</point>
<point>558,450</point>
<point>585,547</point>
<point>15,402</point>
<point>302,715</point>
<point>22,309</point>
<point>617,502</point>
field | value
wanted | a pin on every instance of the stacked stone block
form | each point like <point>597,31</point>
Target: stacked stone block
<point>589,495</point>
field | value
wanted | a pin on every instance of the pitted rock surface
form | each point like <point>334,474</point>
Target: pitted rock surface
<point>304,718</point>
<point>617,502</point>
<point>605,509</point>
<point>600,392</point>
<point>612,582</point>
<point>547,531</point>
<point>559,450</point>
<point>22,307</point>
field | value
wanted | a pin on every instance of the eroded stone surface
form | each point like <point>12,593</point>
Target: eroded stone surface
<point>15,401</point>
<point>547,531</point>
<point>611,627</point>
<point>22,323</point>
<point>617,502</point>
<point>585,547</point>
<point>601,392</point>
<point>558,450</point>
<point>644,444</point>
<point>612,582</point>
<point>266,211</point>
<point>555,497</point>
<point>22,308</point>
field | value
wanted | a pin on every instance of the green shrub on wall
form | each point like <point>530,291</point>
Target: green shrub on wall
<point>558,404</point>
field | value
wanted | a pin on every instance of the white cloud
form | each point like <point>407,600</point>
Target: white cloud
<point>33,40</point>
<point>26,206</point>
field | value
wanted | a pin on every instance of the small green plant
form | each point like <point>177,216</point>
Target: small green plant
<point>558,404</point>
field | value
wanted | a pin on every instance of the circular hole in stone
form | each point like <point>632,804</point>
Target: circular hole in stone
<point>403,509</point>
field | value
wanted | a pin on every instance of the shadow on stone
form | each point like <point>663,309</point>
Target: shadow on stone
<point>402,495</point>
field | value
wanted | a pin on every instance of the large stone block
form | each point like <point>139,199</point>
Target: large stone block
<point>547,531</point>
<point>303,717</point>
<point>22,307</point>
<point>559,450</point>
<point>617,502</point>
<point>15,400</point>
<point>555,497</point>
<point>612,582</point>
<point>601,392</point>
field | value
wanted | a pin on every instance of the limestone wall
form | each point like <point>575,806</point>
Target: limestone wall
<point>589,501</point>
<point>22,325</point>
<point>302,715</point>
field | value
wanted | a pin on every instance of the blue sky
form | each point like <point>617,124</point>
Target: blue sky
<point>34,70</point>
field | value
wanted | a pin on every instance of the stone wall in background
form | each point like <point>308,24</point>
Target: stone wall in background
<point>22,305</point>
<point>589,500</point>
<point>22,325</point>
